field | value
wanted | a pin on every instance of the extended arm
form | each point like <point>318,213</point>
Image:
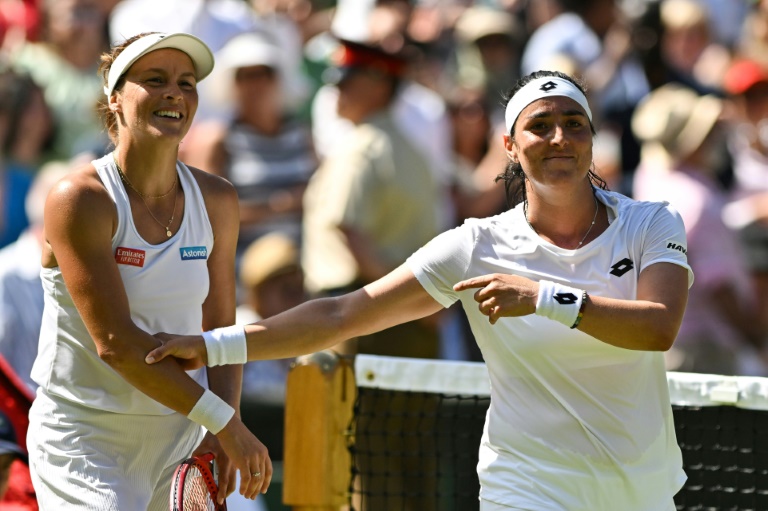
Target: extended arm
<point>322,323</point>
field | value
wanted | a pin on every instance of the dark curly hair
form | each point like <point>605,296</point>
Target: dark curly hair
<point>513,175</point>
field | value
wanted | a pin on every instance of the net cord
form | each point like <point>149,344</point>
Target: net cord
<point>471,379</point>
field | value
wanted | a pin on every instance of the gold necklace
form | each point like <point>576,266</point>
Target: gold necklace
<point>167,227</point>
<point>597,208</point>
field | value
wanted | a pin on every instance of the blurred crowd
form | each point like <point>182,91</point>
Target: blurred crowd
<point>356,130</point>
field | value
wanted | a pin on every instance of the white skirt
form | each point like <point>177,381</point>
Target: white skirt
<point>85,459</point>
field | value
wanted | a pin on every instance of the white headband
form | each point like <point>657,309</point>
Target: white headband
<point>197,50</point>
<point>544,87</point>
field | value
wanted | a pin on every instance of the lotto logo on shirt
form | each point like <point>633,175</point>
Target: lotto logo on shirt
<point>188,253</point>
<point>130,256</point>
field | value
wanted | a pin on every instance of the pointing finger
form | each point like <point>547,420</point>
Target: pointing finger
<point>472,283</point>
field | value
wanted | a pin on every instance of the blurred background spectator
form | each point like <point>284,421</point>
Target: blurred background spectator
<point>26,129</point>
<point>683,143</point>
<point>688,48</point>
<point>273,281</point>
<point>63,62</point>
<point>16,490</point>
<point>263,149</point>
<point>21,290</point>
<point>11,452</point>
<point>747,214</point>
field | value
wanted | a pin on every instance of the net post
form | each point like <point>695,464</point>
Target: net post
<point>320,397</point>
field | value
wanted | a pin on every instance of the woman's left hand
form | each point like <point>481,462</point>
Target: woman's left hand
<point>227,472</point>
<point>501,295</point>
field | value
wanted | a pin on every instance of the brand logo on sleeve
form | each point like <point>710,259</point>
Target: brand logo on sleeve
<point>130,256</point>
<point>675,246</point>
<point>188,253</point>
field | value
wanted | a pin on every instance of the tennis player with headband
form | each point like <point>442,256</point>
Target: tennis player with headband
<point>137,242</point>
<point>573,294</point>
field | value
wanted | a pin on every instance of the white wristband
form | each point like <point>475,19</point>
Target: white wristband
<point>558,302</point>
<point>226,345</point>
<point>211,412</point>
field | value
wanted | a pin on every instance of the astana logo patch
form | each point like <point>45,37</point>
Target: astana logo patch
<point>189,253</point>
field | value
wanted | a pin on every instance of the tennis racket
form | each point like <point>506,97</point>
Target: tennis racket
<point>195,486</point>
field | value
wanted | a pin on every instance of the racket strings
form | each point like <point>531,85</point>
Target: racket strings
<point>197,497</point>
<point>194,490</point>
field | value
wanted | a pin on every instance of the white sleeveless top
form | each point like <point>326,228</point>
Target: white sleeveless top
<point>166,285</point>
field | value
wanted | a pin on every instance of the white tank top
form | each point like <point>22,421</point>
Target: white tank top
<point>166,285</point>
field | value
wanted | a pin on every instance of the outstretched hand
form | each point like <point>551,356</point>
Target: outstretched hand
<point>500,295</point>
<point>189,350</point>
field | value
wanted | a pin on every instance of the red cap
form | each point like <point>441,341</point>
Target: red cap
<point>354,55</point>
<point>744,74</point>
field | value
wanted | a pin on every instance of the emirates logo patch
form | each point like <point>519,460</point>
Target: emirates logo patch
<point>130,256</point>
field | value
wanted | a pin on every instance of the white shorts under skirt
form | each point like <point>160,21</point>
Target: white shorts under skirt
<point>86,459</point>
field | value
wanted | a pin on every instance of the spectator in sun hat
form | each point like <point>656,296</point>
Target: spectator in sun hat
<point>273,282</point>
<point>262,148</point>
<point>746,81</point>
<point>488,50</point>
<point>682,143</point>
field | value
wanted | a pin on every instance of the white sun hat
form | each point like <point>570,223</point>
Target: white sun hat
<point>198,51</point>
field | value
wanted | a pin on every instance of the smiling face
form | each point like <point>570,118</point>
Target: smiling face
<point>159,96</point>
<point>552,142</point>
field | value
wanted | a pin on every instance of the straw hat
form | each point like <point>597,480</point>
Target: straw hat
<point>269,256</point>
<point>675,120</point>
<point>480,21</point>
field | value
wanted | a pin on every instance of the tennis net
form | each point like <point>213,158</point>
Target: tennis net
<point>381,433</point>
<point>416,427</point>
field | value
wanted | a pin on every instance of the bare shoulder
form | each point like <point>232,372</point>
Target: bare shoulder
<point>79,191</point>
<point>79,212</point>
<point>220,198</point>
<point>213,186</point>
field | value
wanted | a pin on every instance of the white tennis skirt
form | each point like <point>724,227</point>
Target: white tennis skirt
<point>83,458</point>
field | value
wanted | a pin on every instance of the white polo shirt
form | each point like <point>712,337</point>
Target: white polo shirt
<point>574,423</point>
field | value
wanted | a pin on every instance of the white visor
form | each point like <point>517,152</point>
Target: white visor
<point>544,87</point>
<point>198,51</point>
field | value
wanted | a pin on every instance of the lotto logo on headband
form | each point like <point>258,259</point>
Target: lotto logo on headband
<point>188,253</point>
<point>544,87</point>
<point>548,86</point>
